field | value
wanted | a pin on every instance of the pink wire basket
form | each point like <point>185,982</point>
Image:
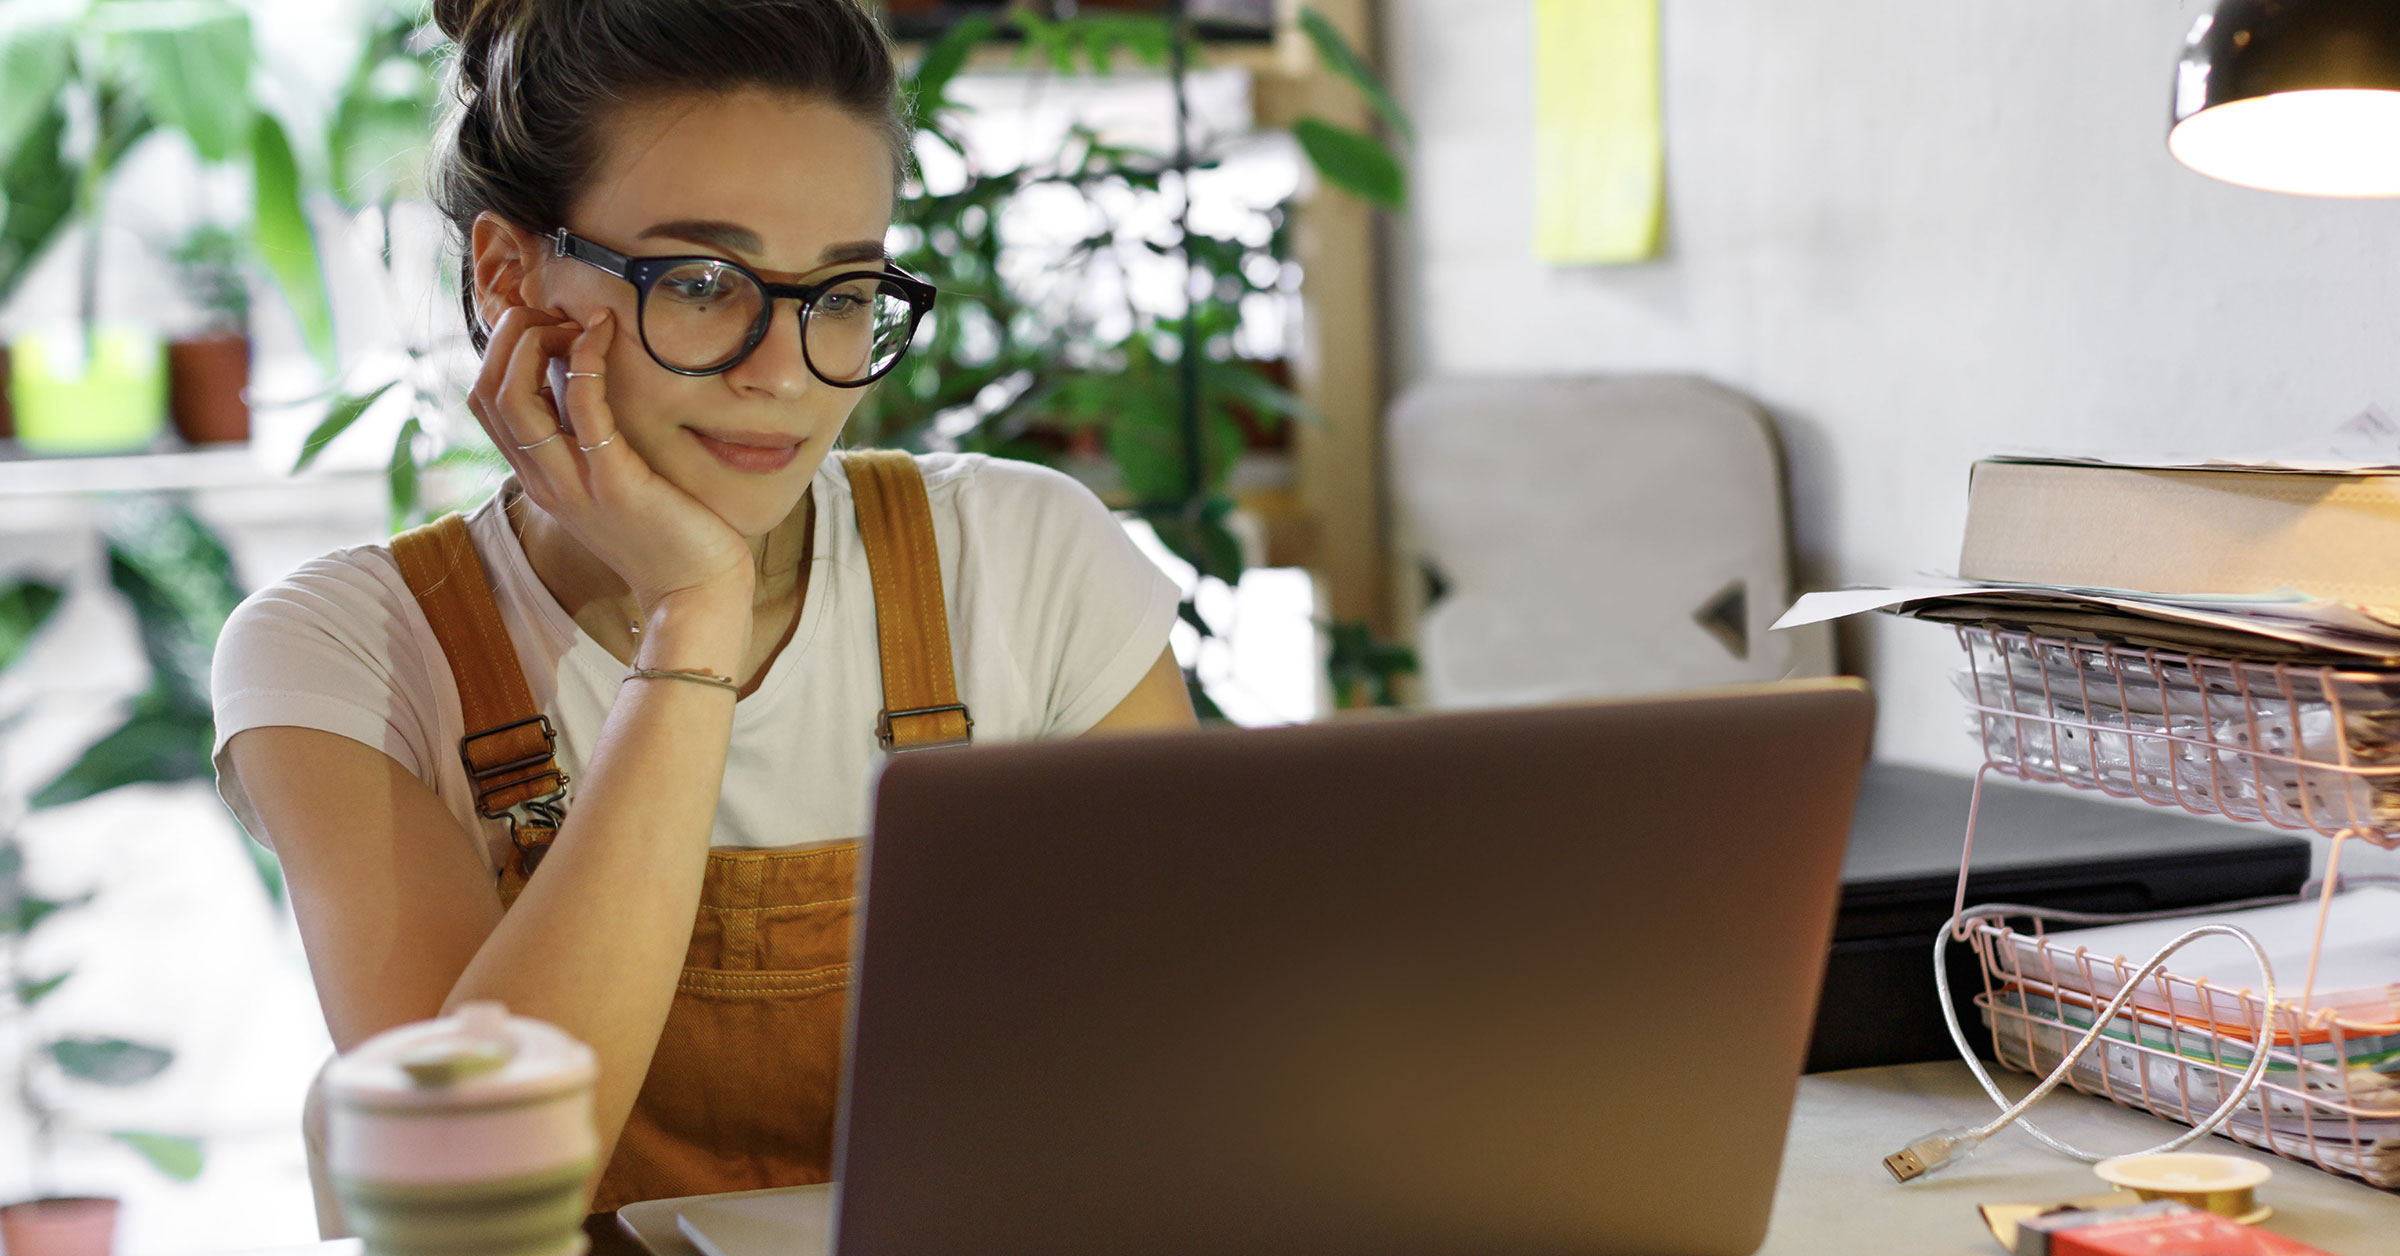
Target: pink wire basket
<point>2183,1044</point>
<point>2299,747</point>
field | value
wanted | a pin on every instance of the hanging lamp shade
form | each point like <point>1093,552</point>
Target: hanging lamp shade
<point>2293,96</point>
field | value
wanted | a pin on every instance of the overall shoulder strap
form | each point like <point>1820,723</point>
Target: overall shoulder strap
<point>509,747</point>
<point>921,709</point>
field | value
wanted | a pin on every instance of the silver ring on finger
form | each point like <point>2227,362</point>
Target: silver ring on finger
<point>602,445</point>
<point>539,443</point>
<point>585,375</point>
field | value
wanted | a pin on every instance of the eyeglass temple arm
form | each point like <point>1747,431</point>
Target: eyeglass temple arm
<point>564,243</point>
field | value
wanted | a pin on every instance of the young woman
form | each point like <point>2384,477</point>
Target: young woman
<point>672,214</point>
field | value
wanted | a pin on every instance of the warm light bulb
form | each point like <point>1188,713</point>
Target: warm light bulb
<point>2331,142</point>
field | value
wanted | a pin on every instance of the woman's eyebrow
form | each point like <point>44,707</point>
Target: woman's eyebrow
<point>729,236</point>
<point>735,238</point>
<point>855,251</point>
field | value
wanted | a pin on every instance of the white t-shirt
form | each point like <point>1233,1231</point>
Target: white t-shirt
<point>1054,617</point>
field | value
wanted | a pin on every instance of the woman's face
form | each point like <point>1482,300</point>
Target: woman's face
<point>793,188</point>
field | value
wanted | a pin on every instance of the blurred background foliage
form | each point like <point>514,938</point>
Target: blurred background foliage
<point>83,81</point>
<point>47,1055</point>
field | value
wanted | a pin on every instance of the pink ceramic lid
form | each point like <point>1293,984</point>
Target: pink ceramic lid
<point>481,1057</point>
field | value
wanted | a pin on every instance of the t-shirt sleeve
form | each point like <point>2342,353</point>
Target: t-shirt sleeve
<point>1092,612</point>
<point>327,648</point>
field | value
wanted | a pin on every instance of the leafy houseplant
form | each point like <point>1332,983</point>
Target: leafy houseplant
<point>82,82</point>
<point>25,606</point>
<point>377,142</point>
<point>1008,369</point>
<point>208,267</point>
<point>177,577</point>
<point>86,80</point>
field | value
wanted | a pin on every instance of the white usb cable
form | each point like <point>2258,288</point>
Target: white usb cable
<point>1943,1147</point>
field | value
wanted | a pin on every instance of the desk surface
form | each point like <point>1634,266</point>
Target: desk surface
<point>1835,1199</point>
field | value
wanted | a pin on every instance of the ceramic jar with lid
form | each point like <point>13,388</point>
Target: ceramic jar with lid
<point>471,1134</point>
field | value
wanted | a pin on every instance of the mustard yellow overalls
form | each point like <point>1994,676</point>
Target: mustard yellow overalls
<point>741,1093</point>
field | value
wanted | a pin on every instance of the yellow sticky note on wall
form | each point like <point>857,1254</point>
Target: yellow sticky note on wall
<point>1599,141</point>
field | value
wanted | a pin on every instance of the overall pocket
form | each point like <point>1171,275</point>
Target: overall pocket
<point>743,1088</point>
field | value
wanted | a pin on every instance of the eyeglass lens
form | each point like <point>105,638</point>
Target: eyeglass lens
<point>699,317</point>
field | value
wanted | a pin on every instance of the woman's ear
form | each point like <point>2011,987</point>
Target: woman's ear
<point>504,256</point>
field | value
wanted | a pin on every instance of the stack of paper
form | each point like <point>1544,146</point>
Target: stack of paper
<point>2285,626</point>
<point>2363,1143</point>
<point>2307,1070</point>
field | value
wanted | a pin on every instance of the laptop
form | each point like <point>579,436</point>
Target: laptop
<point>1530,981</point>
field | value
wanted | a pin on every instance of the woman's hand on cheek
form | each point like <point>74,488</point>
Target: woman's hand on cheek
<point>656,537</point>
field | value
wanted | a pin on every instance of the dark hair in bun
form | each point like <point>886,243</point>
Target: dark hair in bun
<point>532,79</point>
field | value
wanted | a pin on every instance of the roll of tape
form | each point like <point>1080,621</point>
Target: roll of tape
<point>2224,1185</point>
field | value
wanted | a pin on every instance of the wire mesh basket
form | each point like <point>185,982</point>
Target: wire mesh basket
<point>2329,1096</point>
<point>2299,747</point>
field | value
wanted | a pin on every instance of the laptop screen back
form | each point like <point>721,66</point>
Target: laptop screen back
<point>1508,982</point>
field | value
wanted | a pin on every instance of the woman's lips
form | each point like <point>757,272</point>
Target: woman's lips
<point>755,452</point>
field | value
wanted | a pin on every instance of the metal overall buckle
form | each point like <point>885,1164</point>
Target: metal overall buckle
<point>483,779</point>
<point>883,727</point>
<point>545,811</point>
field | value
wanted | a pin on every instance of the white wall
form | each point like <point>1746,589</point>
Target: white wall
<point>1918,231</point>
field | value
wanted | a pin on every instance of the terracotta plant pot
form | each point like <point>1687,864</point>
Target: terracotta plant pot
<point>59,1227</point>
<point>205,379</point>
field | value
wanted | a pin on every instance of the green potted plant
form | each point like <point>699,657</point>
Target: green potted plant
<point>49,1060</point>
<point>1000,370</point>
<point>89,389</point>
<point>208,367</point>
<point>86,81</point>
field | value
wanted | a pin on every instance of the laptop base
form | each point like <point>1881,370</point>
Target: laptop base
<point>780,1221</point>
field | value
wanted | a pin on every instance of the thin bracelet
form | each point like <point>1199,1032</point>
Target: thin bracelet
<point>725,683</point>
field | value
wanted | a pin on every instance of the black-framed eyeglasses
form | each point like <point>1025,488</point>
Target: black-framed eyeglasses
<point>704,315</point>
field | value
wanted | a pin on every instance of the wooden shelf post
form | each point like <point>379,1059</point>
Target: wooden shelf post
<point>1339,365</point>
